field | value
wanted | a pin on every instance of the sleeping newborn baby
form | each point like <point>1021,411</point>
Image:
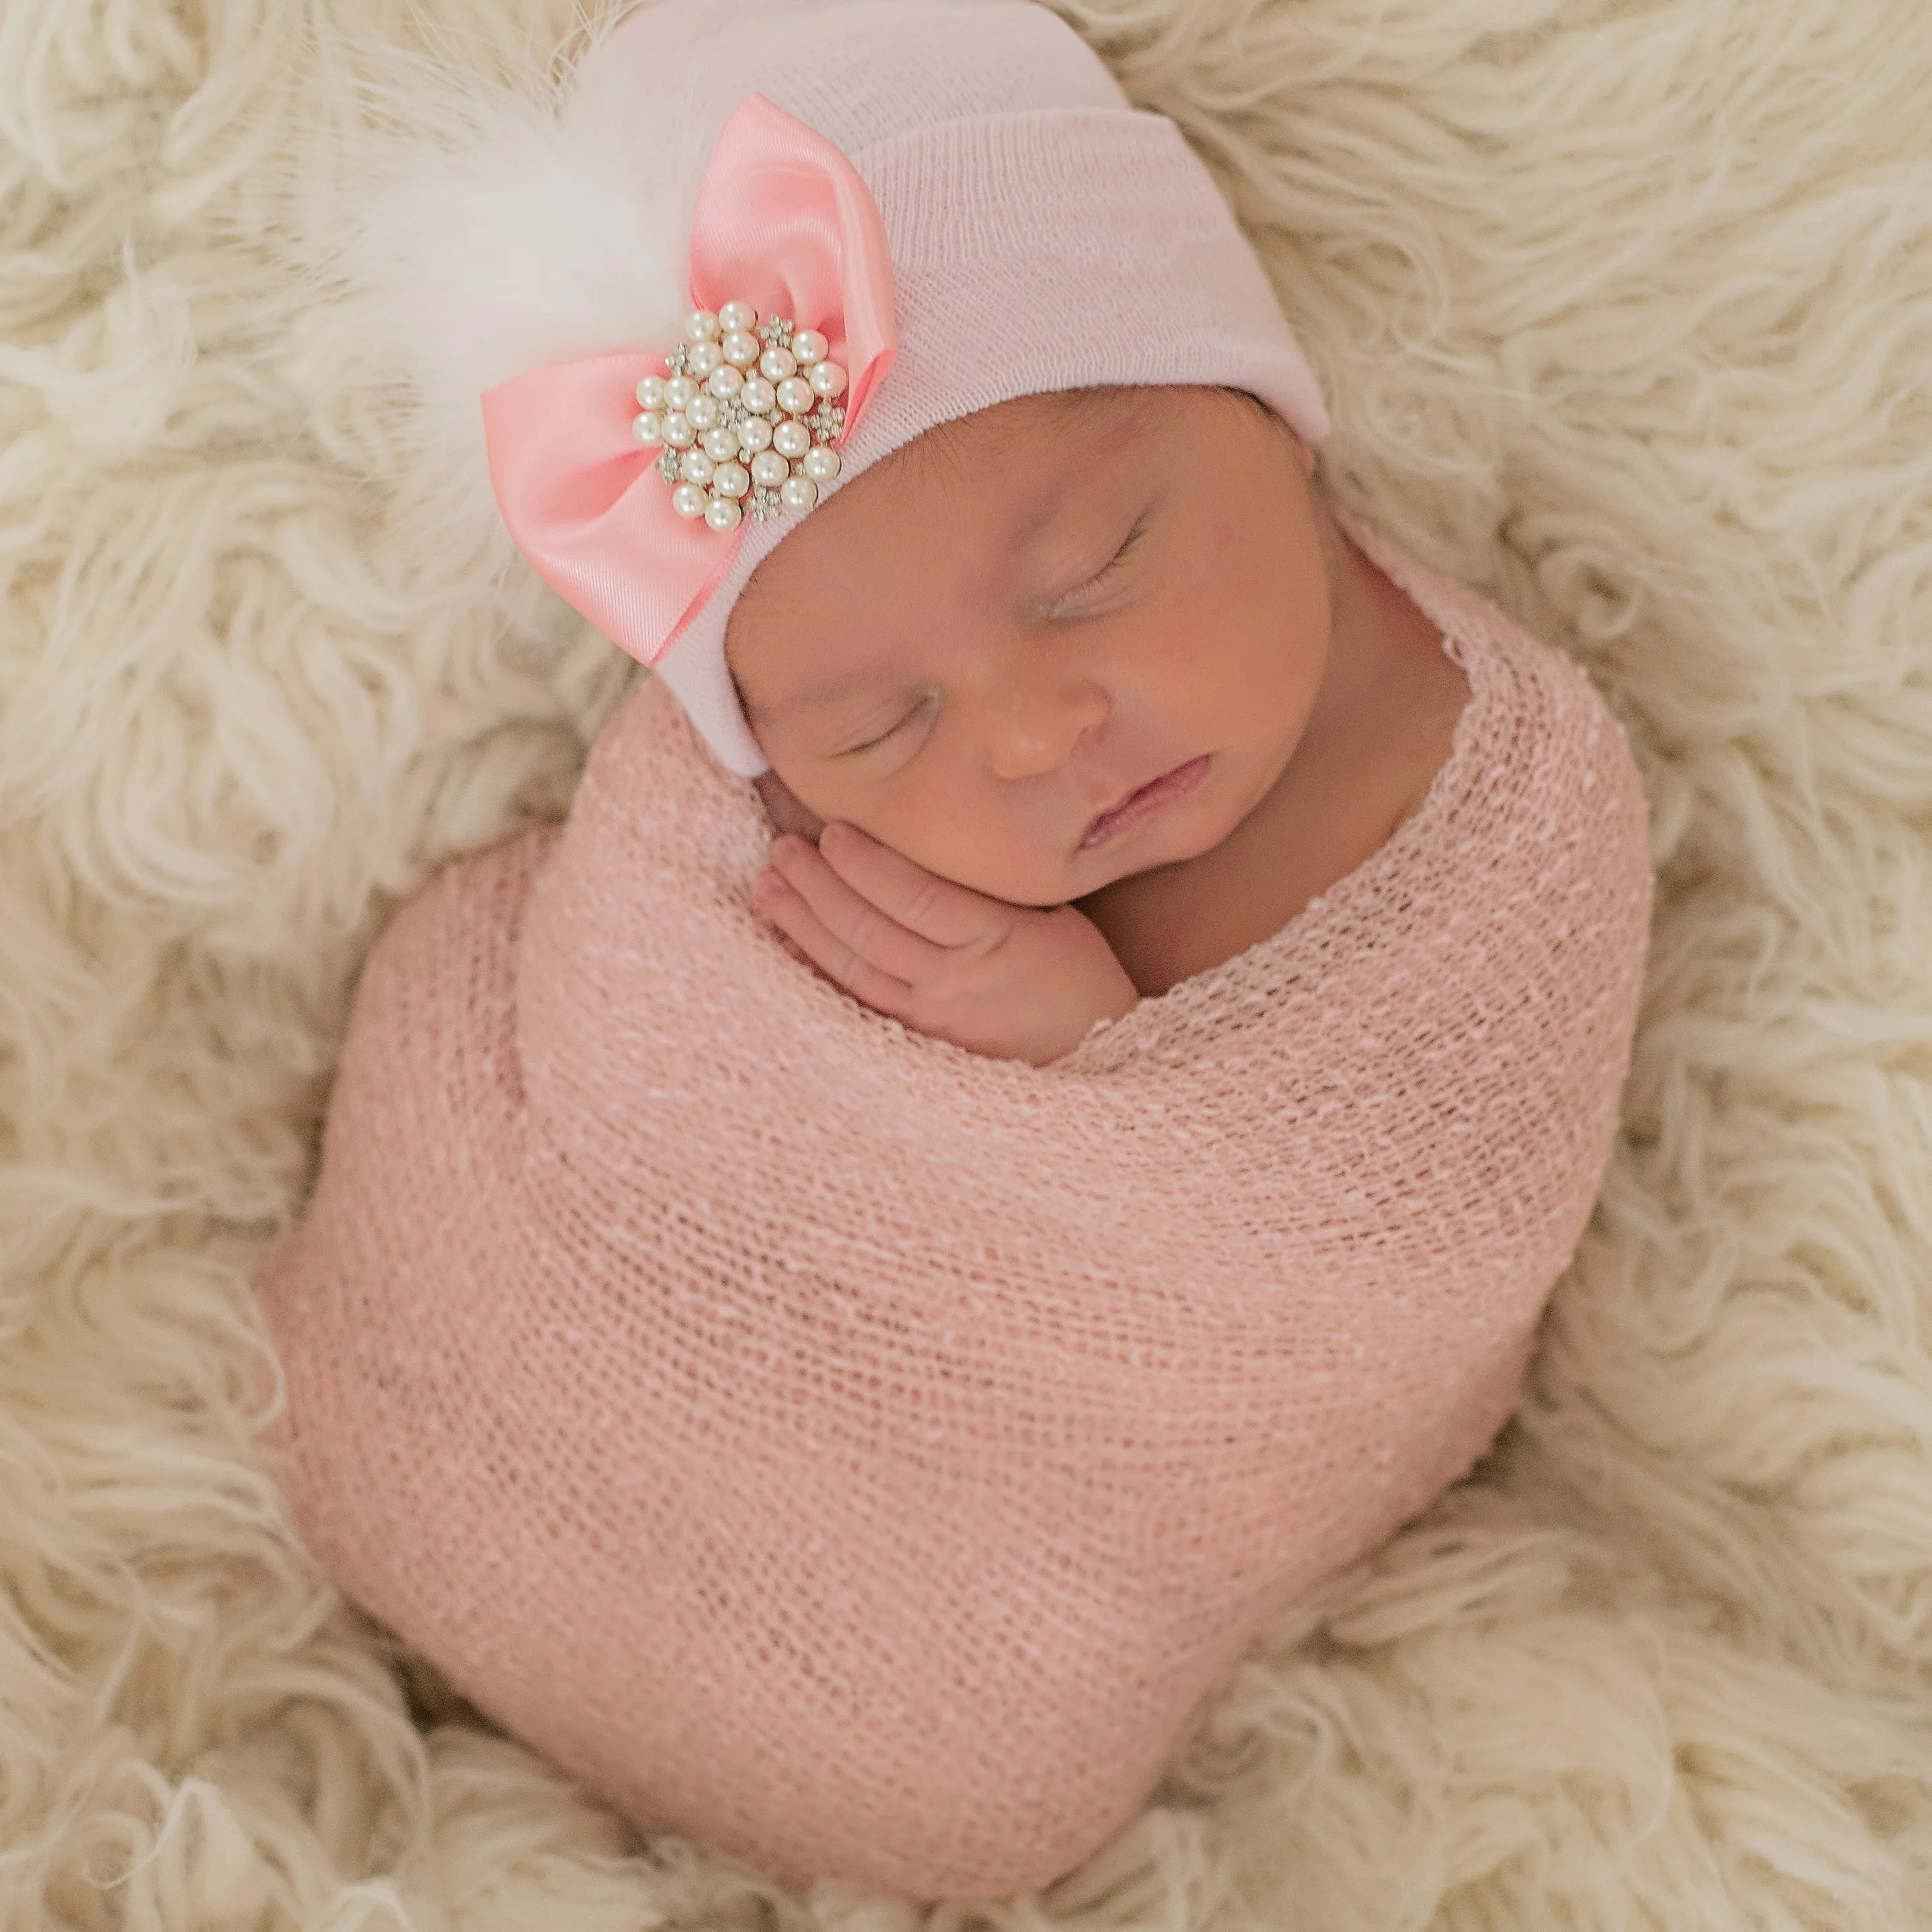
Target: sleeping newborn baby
<point>1030,1112</point>
<point>1101,651</point>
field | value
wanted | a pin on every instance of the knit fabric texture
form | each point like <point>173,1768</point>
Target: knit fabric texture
<point>863,1456</point>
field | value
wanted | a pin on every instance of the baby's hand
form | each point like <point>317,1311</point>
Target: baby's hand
<point>1013,982</point>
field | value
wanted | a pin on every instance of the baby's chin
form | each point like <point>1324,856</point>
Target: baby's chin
<point>1041,880</point>
<point>1082,874</point>
<point>1037,886</point>
<point>1045,879</point>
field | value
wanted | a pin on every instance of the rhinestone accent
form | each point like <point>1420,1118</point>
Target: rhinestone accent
<point>824,422</point>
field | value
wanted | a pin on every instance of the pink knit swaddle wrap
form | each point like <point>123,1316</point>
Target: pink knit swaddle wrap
<point>863,1456</point>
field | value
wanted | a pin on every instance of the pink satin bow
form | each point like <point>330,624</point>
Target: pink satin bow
<point>782,220</point>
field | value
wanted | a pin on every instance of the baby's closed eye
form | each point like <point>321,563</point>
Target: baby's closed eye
<point>1114,562</point>
<point>1099,577</point>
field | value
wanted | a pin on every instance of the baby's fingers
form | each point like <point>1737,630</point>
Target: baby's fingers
<point>847,937</point>
<point>939,910</point>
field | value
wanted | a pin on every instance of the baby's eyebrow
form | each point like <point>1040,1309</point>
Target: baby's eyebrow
<point>811,699</point>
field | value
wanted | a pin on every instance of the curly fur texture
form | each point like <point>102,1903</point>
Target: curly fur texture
<point>1623,308</point>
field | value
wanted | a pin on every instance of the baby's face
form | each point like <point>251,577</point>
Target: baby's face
<point>998,633</point>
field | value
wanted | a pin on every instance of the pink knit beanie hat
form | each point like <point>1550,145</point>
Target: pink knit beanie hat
<point>955,197</point>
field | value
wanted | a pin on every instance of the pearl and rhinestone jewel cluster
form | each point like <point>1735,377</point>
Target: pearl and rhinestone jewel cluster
<point>744,403</point>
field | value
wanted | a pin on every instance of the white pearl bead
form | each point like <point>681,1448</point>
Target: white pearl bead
<point>736,316</point>
<point>758,396</point>
<point>677,430</point>
<point>776,363</point>
<point>821,464</point>
<point>828,380</point>
<point>721,445</point>
<point>701,358</point>
<point>809,346</point>
<point>699,325</point>
<point>679,390</point>
<point>742,348</point>
<point>799,492</point>
<point>731,479</point>
<point>688,500</point>
<point>694,466</point>
<point>722,514</point>
<point>795,394</point>
<point>725,381</point>
<point>650,393</point>
<point>769,469</point>
<point>649,427</point>
<point>755,433</point>
<point>791,438</point>
<point>703,412</point>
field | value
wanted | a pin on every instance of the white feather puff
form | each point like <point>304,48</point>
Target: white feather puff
<point>486,232</point>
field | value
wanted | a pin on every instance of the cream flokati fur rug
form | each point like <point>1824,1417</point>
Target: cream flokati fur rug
<point>1624,311</point>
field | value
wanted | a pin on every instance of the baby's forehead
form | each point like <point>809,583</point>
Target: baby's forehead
<point>1061,442</point>
<point>996,480</point>
<point>1109,409</point>
<point>974,498</point>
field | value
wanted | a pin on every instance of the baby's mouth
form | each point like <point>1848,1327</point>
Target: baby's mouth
<point>1149,798</point>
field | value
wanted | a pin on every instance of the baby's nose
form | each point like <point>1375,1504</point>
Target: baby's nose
<point>1034,727</point>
